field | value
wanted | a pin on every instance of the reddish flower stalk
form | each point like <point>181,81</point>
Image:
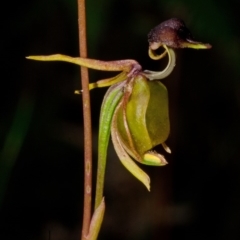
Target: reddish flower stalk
<point>86,122</point>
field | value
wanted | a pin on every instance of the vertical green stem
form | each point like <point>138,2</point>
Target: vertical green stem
<point>87,122</point>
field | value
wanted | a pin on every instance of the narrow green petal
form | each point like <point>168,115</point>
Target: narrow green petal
<point>109,81</point>
<point>105,82</point>
<point>110,101</point>
<point>119,65</point>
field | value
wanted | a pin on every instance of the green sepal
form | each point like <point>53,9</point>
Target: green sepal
<point>110,101</point>
<point>147,123</point>
<point>123,155</point>
<point>147,114</point>
<point>136,110</point>
<point>157,117</point>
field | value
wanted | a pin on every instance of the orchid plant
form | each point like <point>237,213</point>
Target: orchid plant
<point>134,110</point>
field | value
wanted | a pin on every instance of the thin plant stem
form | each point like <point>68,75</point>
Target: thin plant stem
<point>86,122</point>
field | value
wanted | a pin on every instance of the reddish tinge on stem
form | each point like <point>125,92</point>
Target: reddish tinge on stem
<point>86,121</point>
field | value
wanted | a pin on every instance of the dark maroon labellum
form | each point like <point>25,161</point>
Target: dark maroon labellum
<point>173,33</point>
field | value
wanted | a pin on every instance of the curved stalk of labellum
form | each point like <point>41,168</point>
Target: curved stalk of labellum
<point>153,75</point>
<point>153,55</point>
<point>124,157</point>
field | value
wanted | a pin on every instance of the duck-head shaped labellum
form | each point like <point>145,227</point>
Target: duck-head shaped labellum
<point>173,33</point>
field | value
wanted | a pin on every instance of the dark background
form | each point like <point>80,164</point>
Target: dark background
<point>196,196</point>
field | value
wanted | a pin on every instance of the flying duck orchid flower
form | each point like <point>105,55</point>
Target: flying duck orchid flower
<point>135,108</point>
